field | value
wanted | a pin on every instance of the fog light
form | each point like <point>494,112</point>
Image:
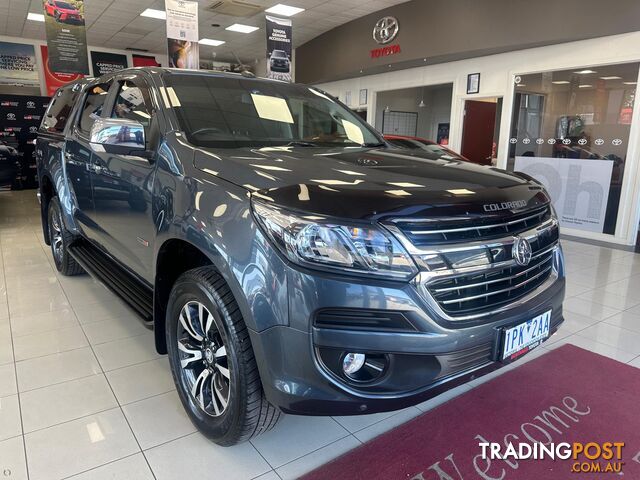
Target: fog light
<point>352,363</point>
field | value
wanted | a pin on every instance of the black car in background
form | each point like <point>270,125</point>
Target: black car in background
<point>279,61</point>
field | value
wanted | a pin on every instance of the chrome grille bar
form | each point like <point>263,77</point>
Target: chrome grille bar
<point>477,227</point>
<point>489,282</point>
<point>496,292</point>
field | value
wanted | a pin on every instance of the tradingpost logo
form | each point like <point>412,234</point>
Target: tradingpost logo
<point>590,457</point>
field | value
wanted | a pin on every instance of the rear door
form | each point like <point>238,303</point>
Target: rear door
<point>78,155</point>
<point>123,184</point>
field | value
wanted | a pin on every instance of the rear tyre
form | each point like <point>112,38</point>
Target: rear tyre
<point>212,361</point>
<point>60,239</point>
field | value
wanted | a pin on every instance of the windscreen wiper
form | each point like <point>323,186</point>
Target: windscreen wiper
<point>373,144</point>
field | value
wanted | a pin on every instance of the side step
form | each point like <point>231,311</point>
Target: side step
<point>136,294</point>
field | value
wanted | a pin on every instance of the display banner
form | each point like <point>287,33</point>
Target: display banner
<point>103,62</point>
<point>52,79</point>
<point>144,61</point>
<point>579,188</point>
<point>18,64</point>
<point>182,34</point>
<point>66,36</point>
<point>20,117</point>
<point>279,33</point>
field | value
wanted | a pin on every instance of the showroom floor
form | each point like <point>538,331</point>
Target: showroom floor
<point>82,391</point>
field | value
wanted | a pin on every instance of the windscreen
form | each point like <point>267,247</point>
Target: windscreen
<point>227,112</point>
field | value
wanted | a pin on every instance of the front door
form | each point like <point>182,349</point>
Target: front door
<point>123,184</point>
<point>78,156</point>
<point>480,129</point>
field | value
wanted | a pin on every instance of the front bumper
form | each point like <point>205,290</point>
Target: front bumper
<point>429,357</point>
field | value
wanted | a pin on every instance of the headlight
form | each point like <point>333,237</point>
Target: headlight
<point>317,242</point>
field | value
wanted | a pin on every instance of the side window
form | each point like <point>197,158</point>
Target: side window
<point>59,110</point>
<point>132,102</point>
<point>92,108</point>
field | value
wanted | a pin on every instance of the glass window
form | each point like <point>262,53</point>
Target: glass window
<point>92,108</point>
<point>570,130</point>
<point>225,112</point>
<point>59,110</point>
<point>132,102</point>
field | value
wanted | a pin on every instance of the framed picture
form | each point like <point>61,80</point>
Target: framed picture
<point>473,83</point>
<point>363,97</point>
<point>347,97</point>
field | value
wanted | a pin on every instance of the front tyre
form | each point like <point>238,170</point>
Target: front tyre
<point>212,361</point>
<point>60,239</point>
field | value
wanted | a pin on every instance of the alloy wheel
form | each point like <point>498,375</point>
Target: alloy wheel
<point>203,359</point>
<point>56,237</point>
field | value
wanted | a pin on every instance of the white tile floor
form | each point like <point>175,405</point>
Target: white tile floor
<point>84,395</point>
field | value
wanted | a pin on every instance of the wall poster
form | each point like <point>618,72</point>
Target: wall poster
<point>103,62</point>
<point>279,33</point>
<point>19,121</point>
<point>66,36</point>
<point>579,188</point>
<point>182,34</point>
<point>52,79</point>
<point>144,61</point>
<point>18,64</point>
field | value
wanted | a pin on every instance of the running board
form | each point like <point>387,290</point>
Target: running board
<point>118,280</point>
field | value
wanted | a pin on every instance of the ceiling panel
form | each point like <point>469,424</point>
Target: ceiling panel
<point>117,24</point>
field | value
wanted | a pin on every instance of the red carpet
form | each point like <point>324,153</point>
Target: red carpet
<point>443,443</point>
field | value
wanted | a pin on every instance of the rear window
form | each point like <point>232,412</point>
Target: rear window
<point>59,110</point>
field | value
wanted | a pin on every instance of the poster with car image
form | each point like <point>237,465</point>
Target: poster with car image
<point>279,33</point>
<point>104,62</point>
<point>182,34</point>
<point>66,36</point>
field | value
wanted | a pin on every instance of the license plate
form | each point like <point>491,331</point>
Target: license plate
<point>518,340</point>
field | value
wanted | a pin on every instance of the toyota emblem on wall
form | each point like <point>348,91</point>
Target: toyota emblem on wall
<point>386,30</point>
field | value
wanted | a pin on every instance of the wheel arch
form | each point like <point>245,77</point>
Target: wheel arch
<point>47,192</point>
<point>174,257</point>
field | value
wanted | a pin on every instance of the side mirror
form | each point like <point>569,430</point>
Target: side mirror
<point>118,136</point>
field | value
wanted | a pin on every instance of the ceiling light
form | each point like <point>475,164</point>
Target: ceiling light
<point>285,10</point>
<point>152,13</point>
<point>461,191</point>
<point>585,86</point>
<point>630,83</point>
<point>585,72</point>
<point>398,193</point>
<point>212,42</point>
<point>238,27</point>
<point>560,82</point>
<point>36,17</point>
<point>613,77</point>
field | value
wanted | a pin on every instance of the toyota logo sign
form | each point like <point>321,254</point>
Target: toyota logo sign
<point>386,30</point>
<point>521,251</point>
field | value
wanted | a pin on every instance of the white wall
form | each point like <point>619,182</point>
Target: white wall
<point>437,110</point>
<point>36,43</point>
<point>497,80</point>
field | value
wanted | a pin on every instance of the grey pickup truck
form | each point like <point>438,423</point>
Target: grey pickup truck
<point>287,257</point>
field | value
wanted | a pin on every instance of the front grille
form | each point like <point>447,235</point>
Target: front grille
<point>426,232</point>
<point>484,291</point>
<point>466,282</point>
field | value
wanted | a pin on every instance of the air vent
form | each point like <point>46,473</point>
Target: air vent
<point>234,8</point>
<point>361,319</point>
